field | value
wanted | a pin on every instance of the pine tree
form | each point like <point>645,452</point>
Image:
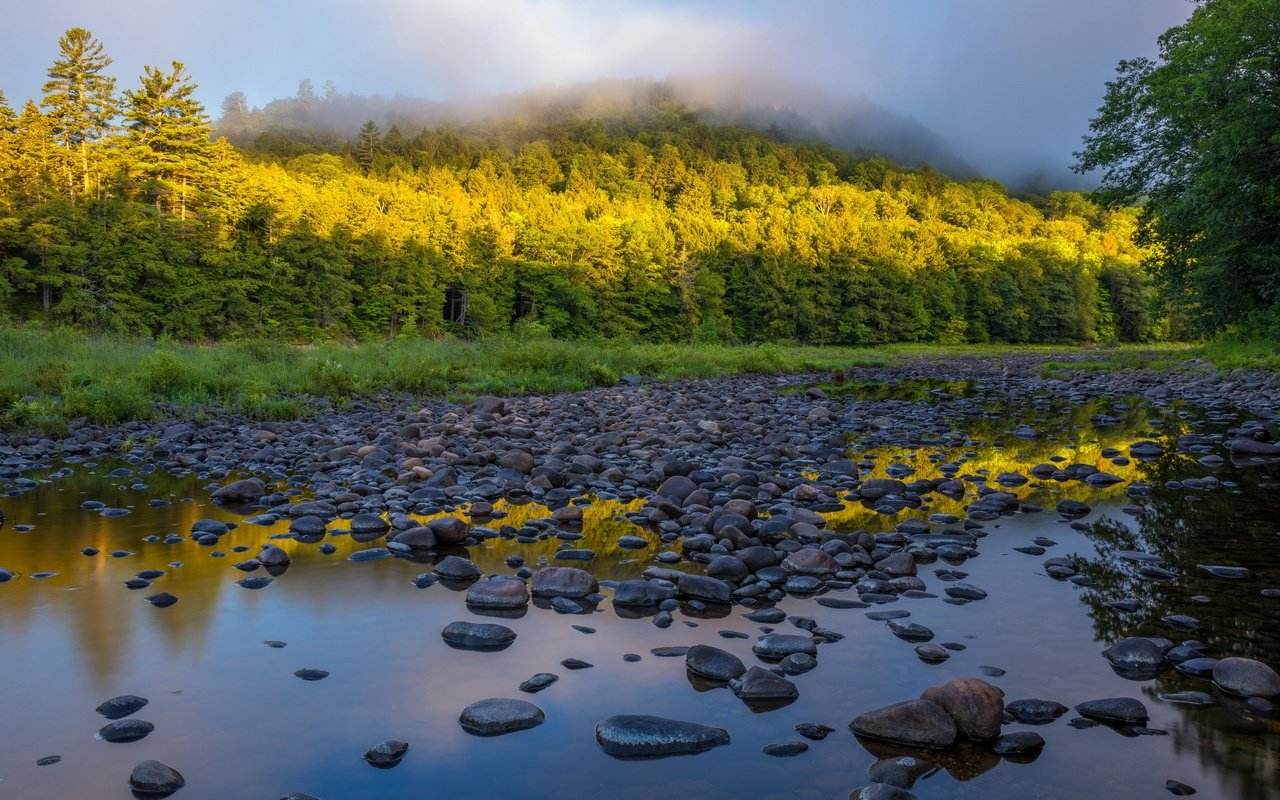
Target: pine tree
<point>170,134</point>
<point>8,119</point>
<point>82,104</point>
<point>368,145</point>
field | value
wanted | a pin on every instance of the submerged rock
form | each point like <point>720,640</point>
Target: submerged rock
<point>156,779</point>
<point>917,723</point>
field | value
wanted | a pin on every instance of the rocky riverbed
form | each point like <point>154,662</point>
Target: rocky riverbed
<point>940,579</point>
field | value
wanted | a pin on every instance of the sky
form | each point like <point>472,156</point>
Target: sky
<point>1009,85</point>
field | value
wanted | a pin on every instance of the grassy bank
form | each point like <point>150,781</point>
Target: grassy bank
<point>50,377</point>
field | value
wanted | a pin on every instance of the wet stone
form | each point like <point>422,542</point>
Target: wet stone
<point>793,747</point>
<point>495,716</point>
<point>122,706</point>
<point>152,778</point>
<point>539,682</point>
<point>814,730</point>
<point>643,736</point>
<point>386,754</point>
<point>125,730</point>
<point>478,636</point>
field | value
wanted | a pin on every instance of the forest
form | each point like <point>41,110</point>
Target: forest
<point>131,211</point>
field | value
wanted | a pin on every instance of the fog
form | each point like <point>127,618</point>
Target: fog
<point>998,87</point>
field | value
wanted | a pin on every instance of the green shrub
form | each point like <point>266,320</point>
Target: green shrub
<point>114,400</point>
<point>601,375</point>
<point>164,373</point>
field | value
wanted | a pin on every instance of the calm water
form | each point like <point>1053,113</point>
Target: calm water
<point>232,718</point>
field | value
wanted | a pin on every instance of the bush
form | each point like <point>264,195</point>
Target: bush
<point>165,373</point>
<point>111,401</point>
<point>601,375</point>
<point>328,378</point>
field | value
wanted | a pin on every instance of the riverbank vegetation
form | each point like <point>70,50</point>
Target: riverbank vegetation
<point>48,378</point>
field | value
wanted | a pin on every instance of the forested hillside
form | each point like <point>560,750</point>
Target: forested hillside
<point>120,212</point>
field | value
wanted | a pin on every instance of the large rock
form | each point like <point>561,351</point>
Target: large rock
<point>498,715</point>
<point>563,582</point>
<point>781,645</point>
<point>1115,709</point>
<point>449,530</point>
<point>759,683</point>
<point>677,488</point>
<point>125,730</point>
<point>478,636</point>
<point>457,568</point>
<point>917,723</point>
<point>976,706</point>
<point>1246,677</point>
<point>498,594</point>
<point>1135,656</point>
<point>811,561</point>
<point>700,587</point>
<point>643,736</point>
<point>714,663</point>
<point>637,593</point>
<point>249,490</point>
<point>156,779</point>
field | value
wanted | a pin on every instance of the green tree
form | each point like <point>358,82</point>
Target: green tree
<point>1195,133</point>
<point>170,136</point>
<point>82,105</point>
<point>368,145</point>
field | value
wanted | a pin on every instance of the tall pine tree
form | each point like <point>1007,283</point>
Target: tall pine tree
<point>169,134</point>
<point>82,105</point>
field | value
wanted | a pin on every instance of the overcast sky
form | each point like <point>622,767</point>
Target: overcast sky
<point>1009,84</point>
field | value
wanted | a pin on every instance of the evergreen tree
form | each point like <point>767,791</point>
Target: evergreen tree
<point>82,105</point>
<point>368,145</point>
<point>8,119</point>
<point>170,136</point>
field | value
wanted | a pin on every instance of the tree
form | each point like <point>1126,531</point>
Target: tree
<point>170,134</point>
<point>368,145</point>
<point>306,91</point>
<point>81,102</point>
<point>1195,135</point>
<point>8,119</point>
<point>235,107</point>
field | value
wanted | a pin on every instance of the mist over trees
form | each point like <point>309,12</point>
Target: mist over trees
<point>646,222</point>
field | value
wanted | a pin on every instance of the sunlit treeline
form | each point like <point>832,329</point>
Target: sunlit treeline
<point>119,213</point>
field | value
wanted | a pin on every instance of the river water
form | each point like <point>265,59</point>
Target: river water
<point>230,715</point>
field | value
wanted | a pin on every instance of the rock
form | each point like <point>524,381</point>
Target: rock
<point>1073,509</point>
<point>311,674</point>
<point>780,645</point>
<point>793,747</point>
<point>931,653</point>
<point>272,556</point>
<point>249,490</point>
<point>564,582</point>
<point>154,778</point>
<point>449,530</point>
<point>1115,709</point>
<point>758,683</point>
<point>539,682</point>
<point>496,716</point>
<point>976,706</point>
<point>386,754</point>
<point>456,568</point>
<point>641,594</point>
<point>811,561</point>
<point>644,736</point>
<point>700,587</point>
<point>1246,677</point>
<point>910,631</point>
<point>478,636</point>
<point>254,583</point>
<point>1252,447</point>
<point>917,723</point>
<point>1178,788</point>
<point>125,730</point>
<point>498,594</point>
<point>1021,743</point>
<point>1135,656</point>
<point>714,663</point>
<point>965,591</point>
<point>161,599</point>
<point>814,730</point>
<point>1035,712</point>
<point>122,706</point>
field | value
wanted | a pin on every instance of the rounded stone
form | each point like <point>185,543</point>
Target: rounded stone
<point>495,716</point>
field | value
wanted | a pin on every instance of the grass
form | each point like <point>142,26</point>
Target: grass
<point>50,377</point>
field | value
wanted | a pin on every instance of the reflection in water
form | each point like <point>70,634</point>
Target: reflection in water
<point>220,697</point>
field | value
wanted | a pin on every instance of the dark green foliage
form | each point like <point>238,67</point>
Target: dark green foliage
<point>1195,135</point>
